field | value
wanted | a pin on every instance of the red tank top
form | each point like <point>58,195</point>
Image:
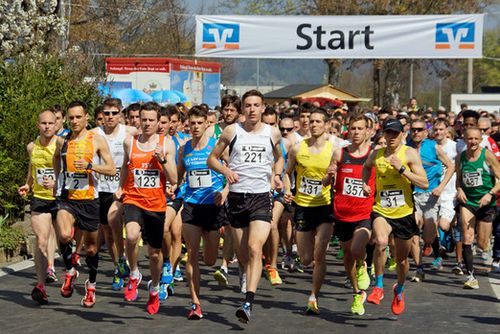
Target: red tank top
<point>145,185</point>
<point>349,203</point>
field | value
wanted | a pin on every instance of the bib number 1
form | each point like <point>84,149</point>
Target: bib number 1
<point>201,178</point>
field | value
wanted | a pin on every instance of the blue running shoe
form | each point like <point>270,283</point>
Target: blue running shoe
<point>178,275</point>
<point>166,273</point>
<point>243,313</point>
<point>118,283</point>
<point>122,268</point>
<point>163,294</point>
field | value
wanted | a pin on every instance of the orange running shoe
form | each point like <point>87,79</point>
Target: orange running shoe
<point>153,304</point>
<point>68,285</point>
<point>130,291</point>
<point>195,312</point>
<point>398,302</point>
<point>376,296</point>
<point>89,299</point>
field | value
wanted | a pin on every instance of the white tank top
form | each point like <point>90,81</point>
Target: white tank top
<point>251,157</point>
<point>109,184</point>
<point>450,190</point>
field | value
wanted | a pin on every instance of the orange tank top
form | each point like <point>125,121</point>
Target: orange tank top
<point>77,184</point>
<point>146,182</point>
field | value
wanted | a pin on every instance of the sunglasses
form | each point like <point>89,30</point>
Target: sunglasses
<point>109,113</point>
<point>417,129</point>
<point>286,129</point>
<point>484,129</point>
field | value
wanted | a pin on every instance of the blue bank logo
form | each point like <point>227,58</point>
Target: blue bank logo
<point>221,36</point>
<point>455,35</point>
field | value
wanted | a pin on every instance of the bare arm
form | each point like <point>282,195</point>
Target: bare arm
<point>416,174</point>
<point>367,172</point>
<point>25,188</point>
<point>492,161</point>
<point>329,178</point>
<point>181,169</point>
<point>124,169</point>
<point>290,167</point>
<point>102,148</point>
<point>169,168</point>
<point>450,169</point>
<point>213,159</point>
<point>56,161</point>
<point>461,197</point>
<point>278,159</point>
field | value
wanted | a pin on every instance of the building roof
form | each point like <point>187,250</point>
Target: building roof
<point>290,91</point>
<point>299,91</point>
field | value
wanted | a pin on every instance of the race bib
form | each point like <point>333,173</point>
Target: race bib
<point>44,172</point>
<point>353,187</point>
<point>146,178</point>
<point>77,181</point>
<point>253,153</point>
<point>112,179</point>
<point>310,187</point>
<point>200,178</point>
<point>473,179</point>
<point>392,198</point>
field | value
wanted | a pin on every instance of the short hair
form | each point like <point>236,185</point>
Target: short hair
<point>418,120</point>
<point>472,128</point>
<point>76,104</point>
<point>98,110</point>
<point>231,99</point>
<point>306,107</point>
<point>112,103</point>
<point>470,114</point>
<point>163,111</point>
<point>441,121</point>
<point>152,106</point>
<point>485,119</point>
<point>252,92</point>
<point>321,111</point>
<point>197,111</point>
<point>173,110</point>
<point>359,117</point>
<point>58,108</point>
<point>269,111</point>
<point>132,107</point>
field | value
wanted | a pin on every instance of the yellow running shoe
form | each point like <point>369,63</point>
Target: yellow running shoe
<point>471,283</point>
<point>312,307</point>
<point>274,276</point>
<point>392,265</point>
<point>362,277</point>
<point>357,306</point>
<point>184,259</point>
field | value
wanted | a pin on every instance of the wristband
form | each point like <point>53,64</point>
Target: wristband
<point>162,161</point>
<point>402,170</point>
<point>89,166</point>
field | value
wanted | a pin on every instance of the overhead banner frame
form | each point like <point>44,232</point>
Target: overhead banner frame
<point>352,37</point>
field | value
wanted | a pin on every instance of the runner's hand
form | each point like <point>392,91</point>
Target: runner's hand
<point>231,176</point>
<point>437,191</point>
<point>461,196</point>
<point>118,194</point>
<point>171,191</point>
<point>278,184</point>
<point>23,190</point>
<point>81,164</point>
<point>158,153</point>
<point>367,190</point>
<point>288,197</point>
<point>220,197</point>
<point>395,162</point>
<point>485,200</point>
<point>48,183</point>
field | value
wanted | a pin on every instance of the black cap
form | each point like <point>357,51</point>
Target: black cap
<point>393,124</point>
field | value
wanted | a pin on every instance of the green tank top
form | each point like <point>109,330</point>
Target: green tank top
<point>477,179</point>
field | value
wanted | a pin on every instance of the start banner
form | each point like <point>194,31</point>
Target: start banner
<point>404,36</point>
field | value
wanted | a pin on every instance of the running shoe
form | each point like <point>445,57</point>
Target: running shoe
<point>117,283</point>
<point>184,259</point>
<point>427,251</point>
<point>471,283</point>
<point>51,276</point>
<point>398,302</point>
<point>166,273</point>
<point>357,306</point>
<point>243,312</point>
<point>418,276</point>
<point>130,292</point>
<point>312,307</point>
<point>298,265</point>
<point>274,276</point>
<point>392,264</point>
<point>347,283</point>
<point>334,241</point>
<point>243,283</point>
<point>340,254</point>
<point>495,266</point>
<point>171,289</point>
<point>122,267</point>
<point>437,264</point>
<point>195,312</point>
<point>376,296</point>
<point>39,295</point>
<point>458,269</point>
<point>89,299</point>
<point>288,263</point>
<point>362,277</point>
<point>153,304</point>
<point>220,276</point>
<point>163,294</point>
<point>75,260</point>
<point>68,285</point>
<point>178,275</point>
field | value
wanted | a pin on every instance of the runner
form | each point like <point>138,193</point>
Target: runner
<point>397,168</point>
<point>149,162</point>
<point>313,212</point>
<point>75,169</point>
<point>203,213</point>
<point>426,201</point>
<point>43,205</point>
<point>351,208</point>
<point>132,116</point>
<point>252,146</point>
<point>111,210</point>
<point>476,170</point>
<point>60,120</point>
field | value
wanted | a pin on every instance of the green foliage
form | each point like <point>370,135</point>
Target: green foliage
<point>26,88</point>
<point>10,238</point>
<point>488,68</point>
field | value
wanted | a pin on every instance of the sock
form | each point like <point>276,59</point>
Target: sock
<point>41,286</point>
<point>399,288</point>
<point>223,268</point>
<point>379,281</point>
<point>312,298</point>
<point>359,264</point>
<point>154,289</point>
<point>468,259</point>
<point>134,274</point>
<point>66,252</point>
<point>92,263</point>
<point>435,247</point>
<point>249,297</point>
<point>369,254</point>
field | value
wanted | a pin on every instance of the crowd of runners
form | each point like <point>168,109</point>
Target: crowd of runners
<point>259,182</point>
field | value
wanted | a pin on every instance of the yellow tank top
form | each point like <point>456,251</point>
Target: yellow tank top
<point>310,169</point>
<point>394,196</point>
<point>77,184</point>
<point>41,166</point>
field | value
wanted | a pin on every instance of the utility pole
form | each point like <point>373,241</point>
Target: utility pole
<point>470,75</point>
<point>411,80</point>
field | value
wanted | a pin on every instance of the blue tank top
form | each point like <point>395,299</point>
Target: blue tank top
<point>432,165</point>
<point>202,183</point>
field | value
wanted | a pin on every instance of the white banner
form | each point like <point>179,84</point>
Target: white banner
<point>422,36</point>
